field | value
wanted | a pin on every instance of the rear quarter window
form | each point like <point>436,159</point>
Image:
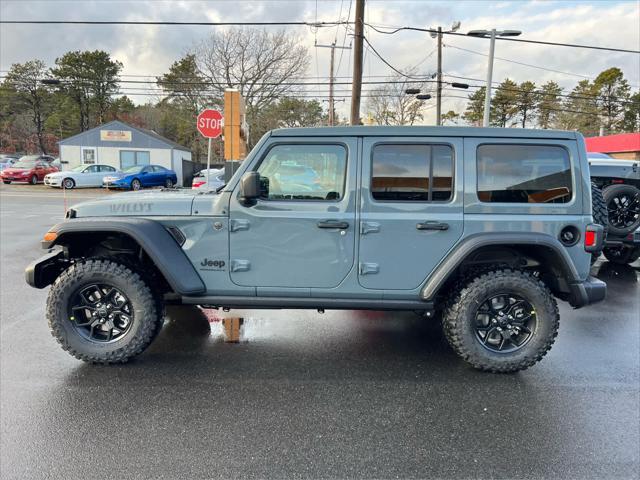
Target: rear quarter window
<point>524,174</point>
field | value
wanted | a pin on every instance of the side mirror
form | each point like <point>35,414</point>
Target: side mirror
<point>250,186</point>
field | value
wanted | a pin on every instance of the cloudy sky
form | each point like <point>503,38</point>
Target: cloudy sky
<point>149,50</point>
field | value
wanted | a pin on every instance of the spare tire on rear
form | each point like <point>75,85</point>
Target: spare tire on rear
<point>623,206</point>
<point>600,214</point>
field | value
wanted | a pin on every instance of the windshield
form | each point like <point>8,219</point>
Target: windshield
<point>134,169</point>
<point>22,163</point>
<point>79,168</point>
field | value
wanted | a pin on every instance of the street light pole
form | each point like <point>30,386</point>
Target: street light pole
<point>487,95</point>
<point>491,34</point>
<point>439,89</point>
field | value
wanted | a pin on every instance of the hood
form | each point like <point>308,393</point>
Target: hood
<point>138,204</point>
<point>58,174</point>
<point>16,170</point>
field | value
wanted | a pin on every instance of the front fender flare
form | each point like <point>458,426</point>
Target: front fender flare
<point>152,237</point>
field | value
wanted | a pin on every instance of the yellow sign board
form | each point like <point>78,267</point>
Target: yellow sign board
<point>115,135</point>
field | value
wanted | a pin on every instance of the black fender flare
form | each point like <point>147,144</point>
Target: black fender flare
<point>153,238</point>
<point>472,243</point>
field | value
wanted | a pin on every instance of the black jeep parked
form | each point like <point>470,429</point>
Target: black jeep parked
<point>617,189</point>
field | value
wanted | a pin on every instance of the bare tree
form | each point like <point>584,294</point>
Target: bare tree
<point>391,105</point>
<point>259,63</point>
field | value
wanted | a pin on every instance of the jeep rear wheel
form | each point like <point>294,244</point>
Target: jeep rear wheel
<point>502,321</point>
<point>102,311</point>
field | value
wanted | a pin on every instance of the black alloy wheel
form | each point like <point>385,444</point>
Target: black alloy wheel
<point>623,207</point>
<point>505,323</point>
<point>100,313</point>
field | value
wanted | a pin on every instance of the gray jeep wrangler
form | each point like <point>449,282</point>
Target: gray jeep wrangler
<point>482,228</point>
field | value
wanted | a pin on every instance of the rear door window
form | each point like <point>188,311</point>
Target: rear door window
<point>524,174</point>
<point>412,172</point>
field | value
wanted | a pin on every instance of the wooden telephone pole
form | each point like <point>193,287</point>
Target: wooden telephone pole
<point>333,47</point>
<point>356,88</point>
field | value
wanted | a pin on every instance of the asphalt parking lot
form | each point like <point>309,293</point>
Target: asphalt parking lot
<point>339,395</point>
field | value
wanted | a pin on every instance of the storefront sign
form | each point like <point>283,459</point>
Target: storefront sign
<point>115,135</point>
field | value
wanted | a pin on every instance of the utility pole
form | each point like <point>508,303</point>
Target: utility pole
<point>333,47</point>
<point>439,90</point>
<point>356,88</point>
<point>438,34</point>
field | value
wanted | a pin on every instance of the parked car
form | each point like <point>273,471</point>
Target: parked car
<point>80,176</point>
<point>30,169</point>
<point>216,180</point>
<point>393,218</point>
<point>617,205</point>
<point>141,176</point>
<point>7,160</point>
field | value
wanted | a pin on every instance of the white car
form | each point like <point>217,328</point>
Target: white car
<point>80,176</point>
<point>216,180</point>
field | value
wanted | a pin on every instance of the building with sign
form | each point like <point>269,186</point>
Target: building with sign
<point>623,145</point>
<point>122,146</point>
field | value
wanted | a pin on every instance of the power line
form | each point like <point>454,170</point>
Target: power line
<point>316,24</point>
<point>507,39</point>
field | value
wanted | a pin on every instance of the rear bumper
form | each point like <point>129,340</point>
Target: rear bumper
<point>591,290</point>
<point>632,239</point>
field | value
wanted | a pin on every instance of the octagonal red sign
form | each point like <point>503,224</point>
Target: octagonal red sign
<point>209,123</point>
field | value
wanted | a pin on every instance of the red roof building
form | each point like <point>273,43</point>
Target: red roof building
<point>622,145</point>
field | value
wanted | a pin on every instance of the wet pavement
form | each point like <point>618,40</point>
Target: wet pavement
<point>339,395</point>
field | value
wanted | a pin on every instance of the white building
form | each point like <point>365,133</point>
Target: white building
<point>120,145</point>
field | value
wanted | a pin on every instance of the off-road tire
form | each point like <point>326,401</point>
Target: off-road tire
<point>68,183</point>
<point>147,311</point>
<point>33,180</point>
<point>622,255</point>
<point>612,191</point>
<point>600,215</point>
<point>459,318</point>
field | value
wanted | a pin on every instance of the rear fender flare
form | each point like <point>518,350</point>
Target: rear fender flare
<point>456,257</point>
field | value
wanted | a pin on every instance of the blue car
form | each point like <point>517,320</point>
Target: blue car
<point>141,176</point>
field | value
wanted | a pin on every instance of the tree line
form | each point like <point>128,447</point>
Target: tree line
<point>605,104</point>
<point>41,104</point>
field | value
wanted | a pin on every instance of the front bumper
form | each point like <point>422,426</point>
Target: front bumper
<point>44,271</point>
<point>587,292</point>
<point>53,182</point>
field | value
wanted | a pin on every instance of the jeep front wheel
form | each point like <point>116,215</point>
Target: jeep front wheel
<point>101,311</point>
<point>502,321</point>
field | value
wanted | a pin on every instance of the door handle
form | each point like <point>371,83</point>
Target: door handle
<point>333,224</point>
<point>432,226</point>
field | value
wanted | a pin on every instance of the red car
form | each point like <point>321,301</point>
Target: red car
<point>30,168</point>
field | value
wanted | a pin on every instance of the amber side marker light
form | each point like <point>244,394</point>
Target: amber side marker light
<point>50,236</point>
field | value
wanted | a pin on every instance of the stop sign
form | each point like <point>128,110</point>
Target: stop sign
<point>209,123</point>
